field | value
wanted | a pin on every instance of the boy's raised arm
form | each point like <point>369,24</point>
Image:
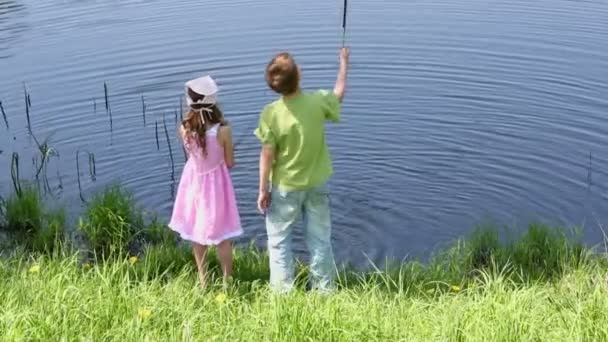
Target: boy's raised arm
<point>340,87</point>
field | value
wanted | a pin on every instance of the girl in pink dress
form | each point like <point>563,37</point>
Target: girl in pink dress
<point>205,210</point>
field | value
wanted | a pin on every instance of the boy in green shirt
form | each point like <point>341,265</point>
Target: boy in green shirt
<point>294,168</point>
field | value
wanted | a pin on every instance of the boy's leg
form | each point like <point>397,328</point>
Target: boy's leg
<point>224,253</point>
<point>285,209</point>
<point>200,256</point>
<point>318,238</point>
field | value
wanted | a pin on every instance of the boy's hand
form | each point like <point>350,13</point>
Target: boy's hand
<point>344,55</point>
<point>264,199</point>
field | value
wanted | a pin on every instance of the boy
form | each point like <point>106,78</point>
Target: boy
<point>294,168</point>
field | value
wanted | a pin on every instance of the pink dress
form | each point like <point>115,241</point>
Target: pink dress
<point>205,209</point>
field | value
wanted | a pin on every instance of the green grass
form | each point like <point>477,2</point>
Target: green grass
<point>29,223</point>
<point>540,285</point>
<point>111,222</point>
<point>56,298</point>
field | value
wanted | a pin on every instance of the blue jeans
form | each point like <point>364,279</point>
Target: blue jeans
<point>286,208</point>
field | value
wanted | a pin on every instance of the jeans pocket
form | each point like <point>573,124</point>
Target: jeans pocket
<point>319,196</point>
<point>284,210</point>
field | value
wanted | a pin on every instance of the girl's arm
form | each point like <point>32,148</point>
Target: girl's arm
<point>225,136</point>
<point>182,133</point>
<point>185,140</point>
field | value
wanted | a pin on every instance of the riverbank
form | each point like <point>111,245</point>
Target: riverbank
<point>133,281</point>
<point>54,299</point>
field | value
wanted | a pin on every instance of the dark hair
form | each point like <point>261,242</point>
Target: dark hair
<point>193,124</point>
<point>282,74</point>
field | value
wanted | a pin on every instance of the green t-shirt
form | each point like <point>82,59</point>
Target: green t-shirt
<point>295,128</point>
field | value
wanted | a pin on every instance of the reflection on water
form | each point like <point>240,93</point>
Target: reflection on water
<point>12,26</point>
<point>458,112</point>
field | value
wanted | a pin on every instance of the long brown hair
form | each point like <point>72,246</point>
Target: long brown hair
<point>193,125</point>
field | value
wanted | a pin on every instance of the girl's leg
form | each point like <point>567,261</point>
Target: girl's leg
<point>200,255</point>
<point>224,253</point>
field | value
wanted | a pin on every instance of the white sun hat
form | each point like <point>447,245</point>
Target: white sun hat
<point>204,86</point>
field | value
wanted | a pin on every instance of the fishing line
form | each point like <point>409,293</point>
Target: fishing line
<point>344,12</point>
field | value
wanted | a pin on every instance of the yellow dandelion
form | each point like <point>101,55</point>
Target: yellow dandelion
<point>455,288</point>
<point>34,269</point>
<point>220,298</point>
<point>133,260</point>
<point>144,313</point>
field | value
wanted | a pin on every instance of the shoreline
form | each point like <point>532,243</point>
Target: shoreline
<point>134,281</point>
<point>113,225</point>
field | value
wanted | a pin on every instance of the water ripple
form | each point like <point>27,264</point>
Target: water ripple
<point>456,111</point>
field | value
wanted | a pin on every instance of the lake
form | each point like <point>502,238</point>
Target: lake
<point>458,113</point>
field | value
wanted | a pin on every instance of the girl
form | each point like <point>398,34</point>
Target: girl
<point>205,210</point>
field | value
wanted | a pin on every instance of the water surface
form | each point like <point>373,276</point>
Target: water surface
<point>457,113</point>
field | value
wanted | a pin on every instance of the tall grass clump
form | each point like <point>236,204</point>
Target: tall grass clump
<point>156,232</point>
<point>111,222</point>
<point>164,262</point>
<point>545,252</point>
<point>29,223</point>
<point>539,253</point>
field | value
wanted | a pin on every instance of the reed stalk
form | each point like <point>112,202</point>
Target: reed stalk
<point>108,107</point>
<point>15,173</point>
<point>28,105</point>
<point>169,145</point>
<point>4,116</point>
<point>143,109</point>
<point>156,134</point>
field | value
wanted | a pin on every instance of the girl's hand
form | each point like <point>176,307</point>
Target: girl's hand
<point>264,200</point>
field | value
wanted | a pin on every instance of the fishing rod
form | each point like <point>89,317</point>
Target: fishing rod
<point>344,23</point>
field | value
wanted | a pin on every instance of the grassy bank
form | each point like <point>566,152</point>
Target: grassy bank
<point>50,299</point>
<point>130,280</point>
